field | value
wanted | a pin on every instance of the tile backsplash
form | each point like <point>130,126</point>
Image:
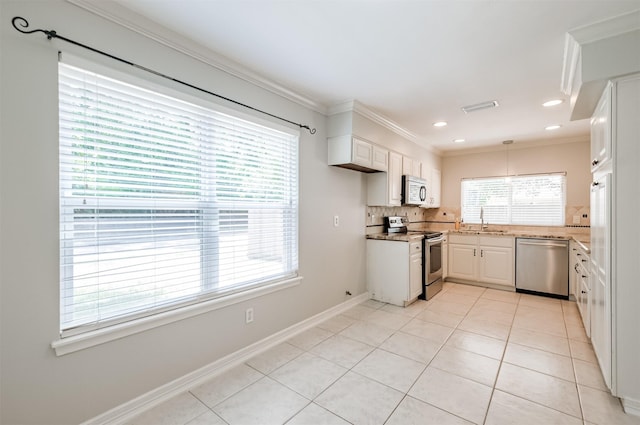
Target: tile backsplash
<point>443,218</point>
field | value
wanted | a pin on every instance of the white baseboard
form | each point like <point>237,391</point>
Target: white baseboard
<point>127,411</point>
<point>631,406</point>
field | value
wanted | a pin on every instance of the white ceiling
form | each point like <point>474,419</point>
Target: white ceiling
<point>413,62</point>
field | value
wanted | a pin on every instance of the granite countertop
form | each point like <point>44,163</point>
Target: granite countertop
<point>580,239</point>
<point>517,234</point>
<point>400,237</point>
<point>586,246</point>
<point>409,237</point>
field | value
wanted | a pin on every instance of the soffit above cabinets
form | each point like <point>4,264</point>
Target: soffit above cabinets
<point>596,53</point>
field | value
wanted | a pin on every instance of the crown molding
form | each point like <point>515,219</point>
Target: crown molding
<point>126,18</point>
<point>570,64</point>
<point>365,111</point>
<point>516,146</point>
<point>607,28</point>
<point>578,37</point>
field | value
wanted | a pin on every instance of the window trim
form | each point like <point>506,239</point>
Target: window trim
<point>73,340</point>
<point>99,336</point>
<point>553,173</point>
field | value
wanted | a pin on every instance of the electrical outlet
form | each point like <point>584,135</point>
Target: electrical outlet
<point>336,220</point>
<point>248,315</point>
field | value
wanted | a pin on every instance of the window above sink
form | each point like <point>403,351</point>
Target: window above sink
<point>533,200</point>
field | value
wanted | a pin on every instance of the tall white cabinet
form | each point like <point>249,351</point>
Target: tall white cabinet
<point>615,236</point>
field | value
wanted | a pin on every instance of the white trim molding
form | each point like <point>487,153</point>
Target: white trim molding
<point>125,412</point>
<point>130,20</point>
<point>92,338</point>
<point>631,406</point>
<point>584,89</point>
<point>367,112</point>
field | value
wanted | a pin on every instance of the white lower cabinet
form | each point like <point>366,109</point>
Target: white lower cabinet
<point>394,271</point>
<point>600,276</point>
<point>483,259</point>
<point>584,296</point>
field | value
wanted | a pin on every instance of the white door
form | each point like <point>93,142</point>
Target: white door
<point>462,261</point>
<point>496,265</point>
<point>600,274</point>
<point>415,276</point>
<point>395,179</point>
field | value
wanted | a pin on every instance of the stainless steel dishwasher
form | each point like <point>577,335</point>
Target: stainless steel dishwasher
<point>542,267</point>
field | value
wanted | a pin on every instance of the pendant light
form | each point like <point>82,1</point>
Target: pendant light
<point>507,143</point>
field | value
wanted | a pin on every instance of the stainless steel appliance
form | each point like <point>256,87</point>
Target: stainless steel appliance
<point>432,264</point>
<point>414,190</point>
<point>542,267</point>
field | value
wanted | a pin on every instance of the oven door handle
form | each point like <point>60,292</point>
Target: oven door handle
<point>435,240</point>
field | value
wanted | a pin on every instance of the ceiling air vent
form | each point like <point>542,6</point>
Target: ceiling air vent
<point>479,106</point>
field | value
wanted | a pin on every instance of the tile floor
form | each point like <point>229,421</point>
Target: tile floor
<point>469,356</point>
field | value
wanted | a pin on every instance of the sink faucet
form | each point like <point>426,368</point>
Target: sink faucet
<point>482,225</point>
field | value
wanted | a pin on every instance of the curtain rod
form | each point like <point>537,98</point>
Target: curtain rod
<point>53,34</point>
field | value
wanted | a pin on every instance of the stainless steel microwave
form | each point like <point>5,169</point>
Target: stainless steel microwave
<point>414,190</point>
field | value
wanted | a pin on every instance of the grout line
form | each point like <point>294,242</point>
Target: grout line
<point>504,351</point>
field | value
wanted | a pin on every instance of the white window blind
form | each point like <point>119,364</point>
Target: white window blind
<point>165,203</point>
<point>536,200</point>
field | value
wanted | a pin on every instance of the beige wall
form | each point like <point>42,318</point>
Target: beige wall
<point>572,158</point>
<point>36,386</point>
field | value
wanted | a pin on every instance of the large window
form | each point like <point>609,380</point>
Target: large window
<point>524,200</point>
<point>166,202</point>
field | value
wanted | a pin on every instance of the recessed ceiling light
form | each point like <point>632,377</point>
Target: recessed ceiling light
<point>480,106</point>
<point>458,141</point>
<point>440,124</point>
<point>553,127</point>
<point>553,102</point>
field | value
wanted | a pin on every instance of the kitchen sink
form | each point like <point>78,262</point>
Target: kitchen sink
<point>472,231</point>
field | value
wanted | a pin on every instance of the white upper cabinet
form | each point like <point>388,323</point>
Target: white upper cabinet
<point>380,160</point>
<point>433,178</point>
<point>362,152</point>
<point>433,189</point>
<point>601,132</point>
<point>356,154</point>
<point>411,167</point>
<point>385,189</point>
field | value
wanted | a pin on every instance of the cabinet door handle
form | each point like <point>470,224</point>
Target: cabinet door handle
<point>584,292</point>
<point>584,261</point>
<point>595,162</point>
<point>474,252</point>
<point>583,276</point>
<point>594,184</point>
<point>482,253</point>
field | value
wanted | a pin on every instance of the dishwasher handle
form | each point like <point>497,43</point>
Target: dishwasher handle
<point>545,244</point>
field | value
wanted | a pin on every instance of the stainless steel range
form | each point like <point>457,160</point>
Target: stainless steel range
<point>431,254</point>
<point>431,264</point>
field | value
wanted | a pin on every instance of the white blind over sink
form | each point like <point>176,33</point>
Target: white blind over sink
<point>535,200</point>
